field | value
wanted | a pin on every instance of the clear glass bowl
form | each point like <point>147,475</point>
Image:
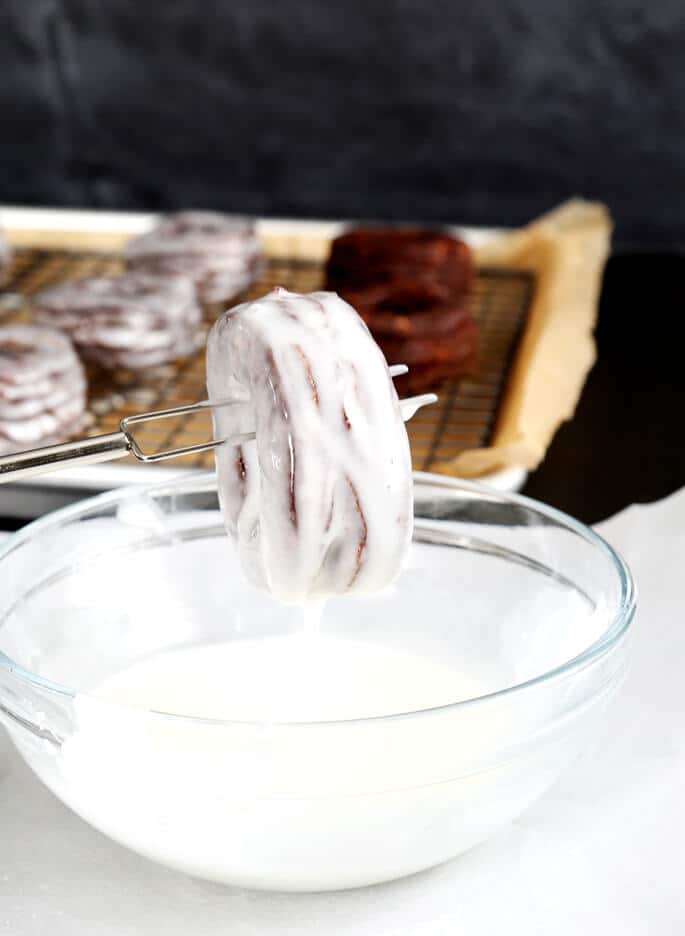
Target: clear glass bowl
<point>526,609</point>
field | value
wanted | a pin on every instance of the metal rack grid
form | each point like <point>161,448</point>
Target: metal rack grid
<point>463,419</point>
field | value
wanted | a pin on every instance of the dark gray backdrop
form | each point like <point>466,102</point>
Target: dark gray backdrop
<point>485,111</point>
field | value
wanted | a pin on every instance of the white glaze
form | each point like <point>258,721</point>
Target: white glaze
<point>41,352</point>
<point>302,677</point>
<point>255,803</point>
<point>63,388</point>
<point>321,503</point>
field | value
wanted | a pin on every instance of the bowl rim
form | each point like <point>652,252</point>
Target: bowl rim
<point>616,629</point>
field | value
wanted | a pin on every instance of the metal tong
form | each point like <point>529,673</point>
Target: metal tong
<point>113,445</point>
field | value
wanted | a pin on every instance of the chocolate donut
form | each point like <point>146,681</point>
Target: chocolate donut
<point>409,285</point>
<point>321,502</point>
<point>409,308</point>
<point>220,253</point>
<point>432,360</point>
<point>42,388</point>
<point>421,324</point>
<point>132,321</point>
<point>372,255</point>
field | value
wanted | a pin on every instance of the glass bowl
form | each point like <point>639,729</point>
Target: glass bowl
<point>381,737</point>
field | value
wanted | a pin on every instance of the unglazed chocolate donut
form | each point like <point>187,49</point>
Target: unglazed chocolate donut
<point>410,287</point>
<point>410,308</point>
<point>422,324</point>
<point>132,321</point>
<point>220,253</point>
<point>321,502</point>
<point>42,388</point>
<point>368,256</point>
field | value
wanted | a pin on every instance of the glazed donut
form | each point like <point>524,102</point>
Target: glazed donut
<point>321,502</point>
<point>220,253</point>
<point>372,255</point>
<point>132,321</point>
<point>42,387</point>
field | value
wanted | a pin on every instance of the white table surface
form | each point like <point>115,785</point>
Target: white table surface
<point>601,853</point>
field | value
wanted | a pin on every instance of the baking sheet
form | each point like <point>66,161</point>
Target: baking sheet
<point>463,419</point>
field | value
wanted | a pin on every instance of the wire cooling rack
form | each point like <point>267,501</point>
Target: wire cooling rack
<point>463,419</point>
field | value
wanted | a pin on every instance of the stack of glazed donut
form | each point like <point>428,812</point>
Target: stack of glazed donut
<point>42,382</point>
<point>147,316</point>
<point>220,253</point>
<point>42,387</point>
<point>150,314</point>
<point>410,285</point>
<point>132,321</point>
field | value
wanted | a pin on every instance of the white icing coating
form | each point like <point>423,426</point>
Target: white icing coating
<point>321,502</point>
<point>29,353</point>
<point>64,418</point>
<point>182,345</point>
<point>62,388</point>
